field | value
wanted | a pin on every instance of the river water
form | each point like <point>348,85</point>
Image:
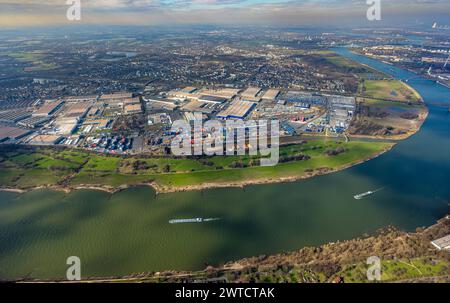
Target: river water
<point>128,232</point>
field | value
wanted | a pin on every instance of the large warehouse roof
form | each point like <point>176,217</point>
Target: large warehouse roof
<point>237,110</point>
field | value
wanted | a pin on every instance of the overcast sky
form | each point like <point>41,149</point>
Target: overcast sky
<point>270,12</point>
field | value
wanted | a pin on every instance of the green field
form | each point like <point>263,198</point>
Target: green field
<point>37,60</point>
<point>342,62</point>
<point>392,90</point>
<point>391,271</point>
<point>27,169</point>
<point>397,107</point>
<point>397,270</point>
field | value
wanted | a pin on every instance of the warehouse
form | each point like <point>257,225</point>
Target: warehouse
<point>130,109</point>
<point>227,93</point>
<point>34,122</point>
<point>189,89</point>
<point>197,106</point>
<point>193,116</point>
<point>305,97</point>
<point>115,102</point>
<point>342,102</point>
<point>12,133</point>
<point>99,123</point>
<point>251,94</point>
<point>46,140</point>
<point>271,95</point>
<point>183,94</point>
<point>66,126</point>
<point>212,99</point>
<point>77,110</point>
<point>77,99</point>
<point>14,116</point>
<point>155,103</point>
<point>95,111</point>
<point>116,96</point>
<point>132,101</point>
<point>48,109</point>
<point>237,110</point>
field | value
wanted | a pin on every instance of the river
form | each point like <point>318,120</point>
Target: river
<point>128,232</point>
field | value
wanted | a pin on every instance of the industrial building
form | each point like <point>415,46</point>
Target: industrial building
<point>161,118</point>
<point>95,111</point>
<point>237,110</point>
<point>11,133</point>
<point>202,107</point>
<point>212,99</point>
<point>34,122</point>
<point>116,102</point>
<point>131,101</point>
<point>116,96</point>
<point>342,102</point>
<point>190,117</point>
<point>155,102</point>
<point>288,128</point>
<point>99,123</point>
<point>305,97</point>
<point>302,105</point>
<point>77,99</point>
<point>341,111</point>
<point>189,89</point>
<point>48,109</point>
<point>183,94</point>
<point>14,116</point>
<point>77,110</point>
<point>46,140</point>
<point>251,94</point>
<point>227,93</point>
<point>271,95</point>
<point>130,109</point>
<point>65,126</point>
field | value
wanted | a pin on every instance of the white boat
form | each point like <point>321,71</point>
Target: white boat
<point>195,220</point>
<point>177,221</point>
<point>360,196</point>
<point>367,193</point>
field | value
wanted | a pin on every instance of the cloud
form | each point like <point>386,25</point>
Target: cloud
<point>25,12</point>
<point>85,3</point>
<point>170,4</point>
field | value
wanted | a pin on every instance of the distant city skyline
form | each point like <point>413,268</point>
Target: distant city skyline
<point>271,12</point>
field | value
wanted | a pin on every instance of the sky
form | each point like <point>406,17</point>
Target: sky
<point>233,12</point>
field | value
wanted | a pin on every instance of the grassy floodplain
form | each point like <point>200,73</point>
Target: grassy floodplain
<point>393,90</point>
<point>26,169</point>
